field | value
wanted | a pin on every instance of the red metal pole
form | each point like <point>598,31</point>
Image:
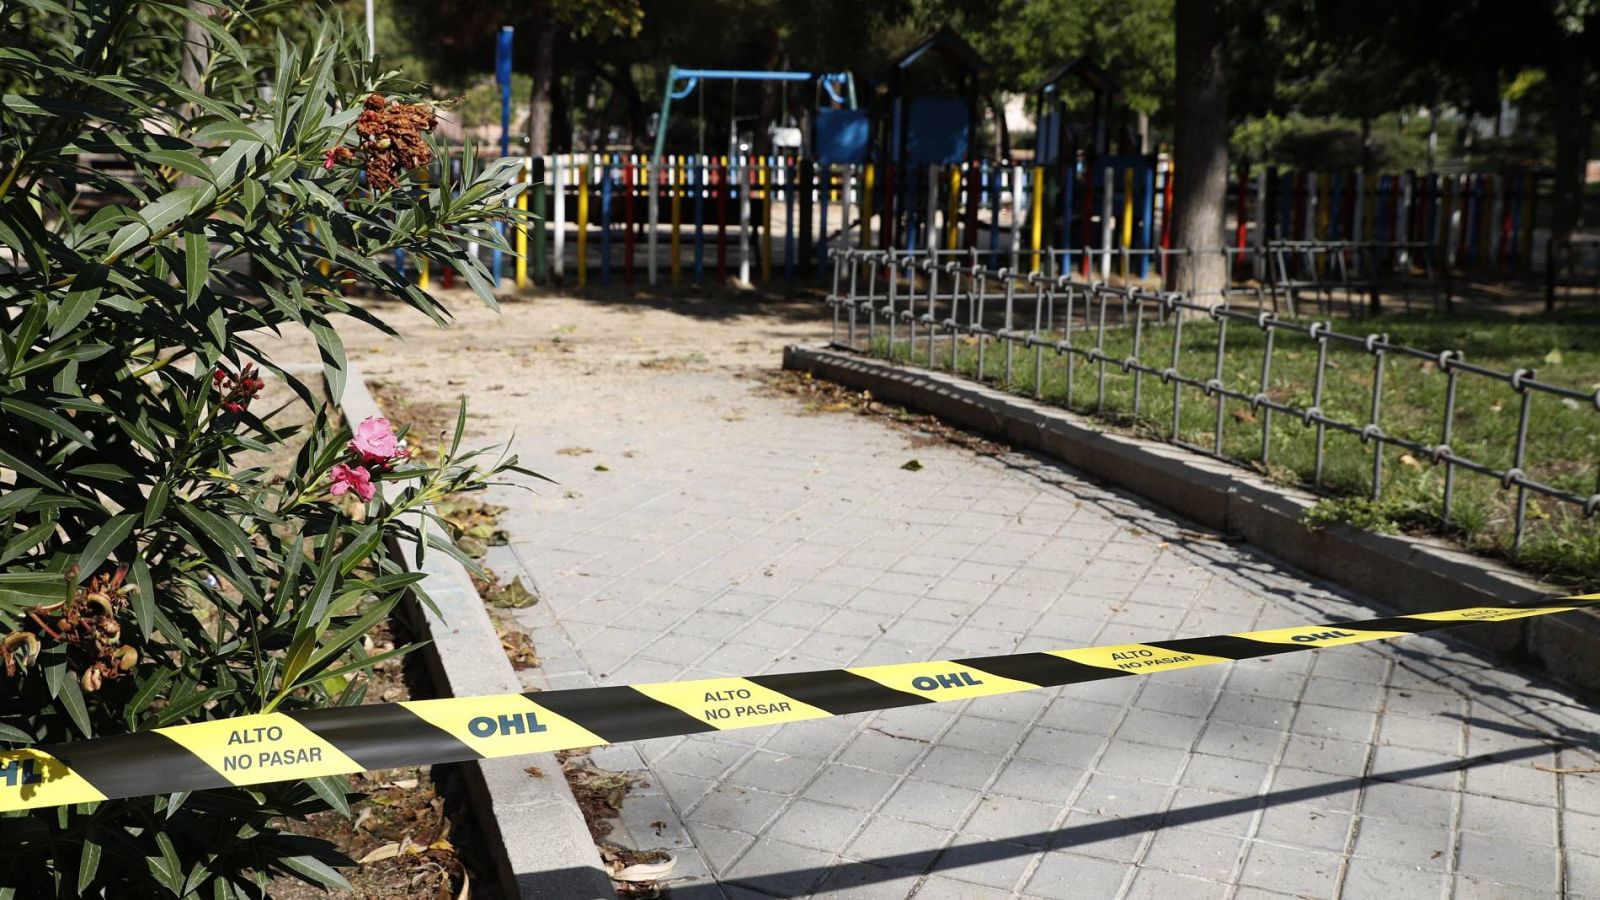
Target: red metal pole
<point>1166,208</point>
<point>1241,214</point>
<point>1089,170</point>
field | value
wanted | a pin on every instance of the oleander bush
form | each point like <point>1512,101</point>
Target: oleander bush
<point>156,566</point>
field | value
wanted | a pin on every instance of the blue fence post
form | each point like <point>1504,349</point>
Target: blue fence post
<point>605,220</point>
<point>1147,199</point>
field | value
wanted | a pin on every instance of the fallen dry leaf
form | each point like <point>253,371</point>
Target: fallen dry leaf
<point>645,871</point>
<point>378,854</point>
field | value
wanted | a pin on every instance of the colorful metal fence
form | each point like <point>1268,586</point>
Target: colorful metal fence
<point>698,219</point>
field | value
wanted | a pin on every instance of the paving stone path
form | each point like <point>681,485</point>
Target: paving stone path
<point>729,533</point>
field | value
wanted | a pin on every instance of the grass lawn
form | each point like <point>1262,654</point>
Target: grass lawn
<point>1563,448</point>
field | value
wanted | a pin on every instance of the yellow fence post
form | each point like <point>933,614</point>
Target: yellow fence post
<point>869,178</point>
<point>1036,215</point>
<point>1127,218</point>
<point>522,225</point>
<point>422,261</point>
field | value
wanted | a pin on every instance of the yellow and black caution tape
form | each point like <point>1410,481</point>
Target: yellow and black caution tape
<point>285,746</point>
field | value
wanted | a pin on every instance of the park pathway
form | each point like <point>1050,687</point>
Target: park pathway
<point>706,524</point>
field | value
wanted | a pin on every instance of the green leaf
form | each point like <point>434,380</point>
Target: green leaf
<point>46,418</point>
<point>196,260</point>
<point>17,498</point>
<point>88,862</point>
<point>149,688</point>
<point>333,361</point>
<point>222,531</point>
<point>102,471</point>
<point>169,208</point>
<point>339,642</point>
<point>127,237</point>
<point>156,504</point>
<point>27,332</point>
<point>27,540</point>
<point>82,295</point>
<point>315,871</point>
<point>367,662</point>
<point>22,589</point>
<point>15,735</point>
<point>166,868</point>
<point>71,698</point>
<point>106,539</point>
<point>186,162</point>
<point>143,597</point>
<point>331,788</point>
<point>225,131</point>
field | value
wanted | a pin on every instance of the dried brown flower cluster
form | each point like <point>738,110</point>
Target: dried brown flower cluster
<point>391,139</point>
<point>88,622</point>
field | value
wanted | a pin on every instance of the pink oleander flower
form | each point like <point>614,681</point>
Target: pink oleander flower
<point>352,478</point>
<point>375,441</point>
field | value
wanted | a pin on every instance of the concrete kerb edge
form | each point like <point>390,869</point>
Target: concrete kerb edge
<point>1409,574</point>
<point>532,827</point>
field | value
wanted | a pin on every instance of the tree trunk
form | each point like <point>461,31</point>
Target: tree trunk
<point>196,49</point>
<point>539,103</point>
<point>1200,148</point>
<point>1572,140</point>
<point>1002,131</point>
<point>625,91</point>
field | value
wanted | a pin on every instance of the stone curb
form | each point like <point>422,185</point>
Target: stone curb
<point>1409,574</point>
<point>531,826</point>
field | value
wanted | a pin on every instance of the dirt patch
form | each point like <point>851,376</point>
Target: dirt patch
<point>600,795</point>
<point>409,837</point>
<point>821,397</point>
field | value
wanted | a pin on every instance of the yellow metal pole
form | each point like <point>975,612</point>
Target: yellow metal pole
<point>583,224</point>
<point>952,212</point>
<point>764,172</point>
<point>522,226</point>
<point>678,180</point>
<point>869,178</point>
<point>1127,217</point>
<point>422,261</point>
<point>1036,214</point>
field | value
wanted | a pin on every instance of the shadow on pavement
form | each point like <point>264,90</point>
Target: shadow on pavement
<point>889,868</point>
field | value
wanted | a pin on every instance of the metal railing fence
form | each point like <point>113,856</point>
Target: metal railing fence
<point>944,310</point>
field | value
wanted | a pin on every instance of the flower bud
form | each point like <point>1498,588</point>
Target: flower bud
<point>125,657</point>
<point>90,680</point>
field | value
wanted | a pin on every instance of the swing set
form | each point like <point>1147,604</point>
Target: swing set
<point>839,86</point>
